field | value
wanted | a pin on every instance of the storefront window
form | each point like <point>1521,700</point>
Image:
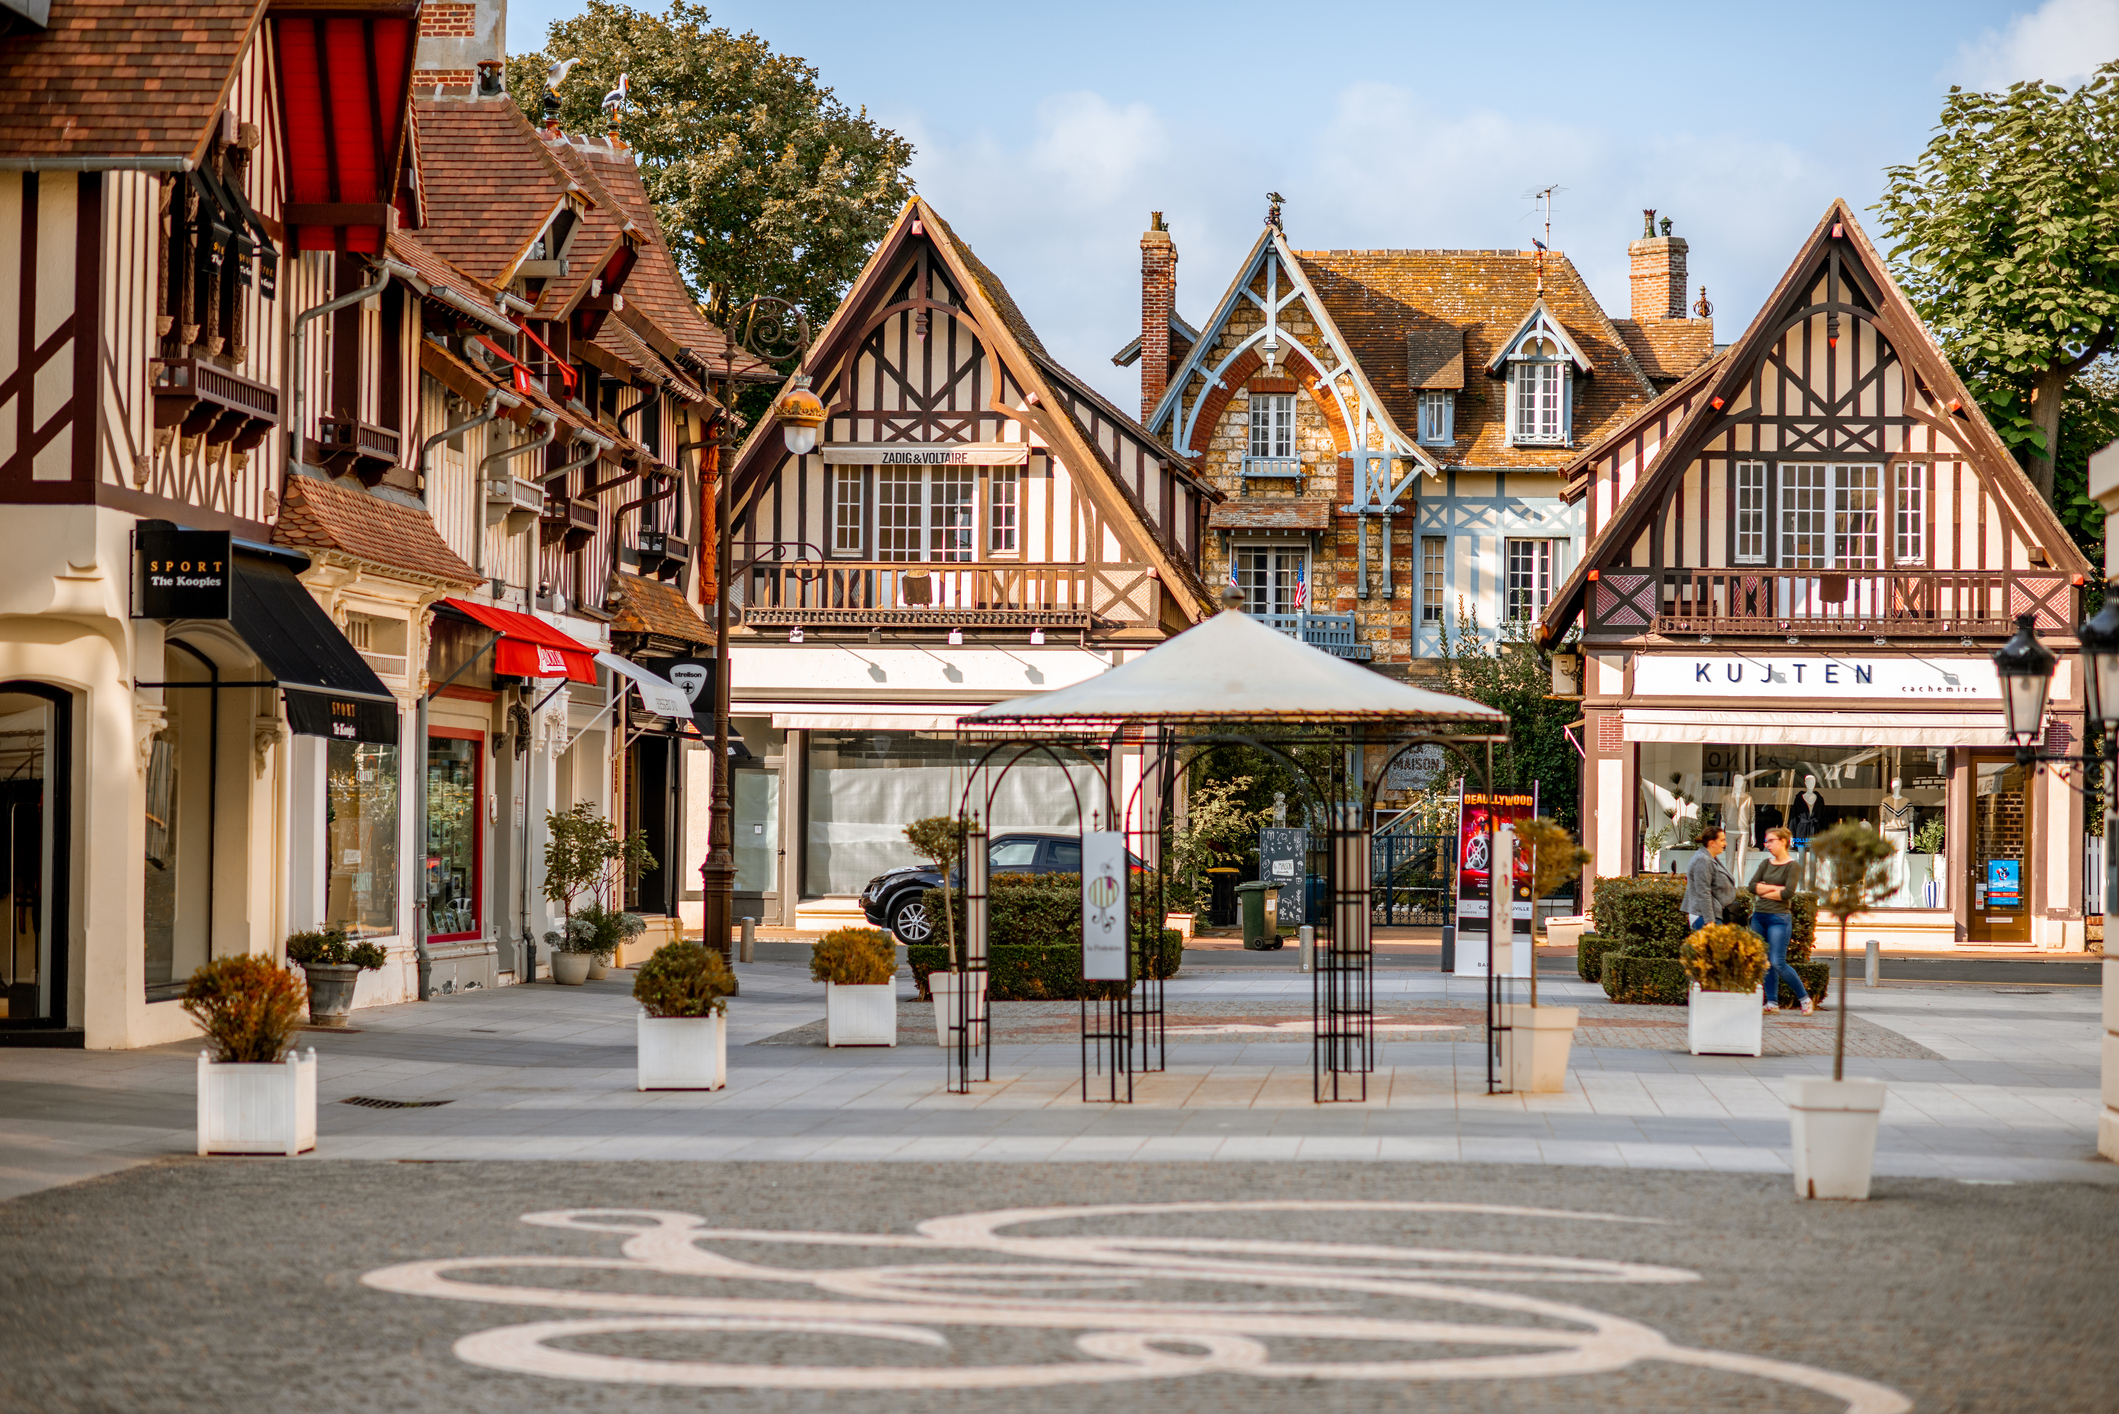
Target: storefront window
<point>1900,791</point>
<point>452,874</point>
<point>360,837</point>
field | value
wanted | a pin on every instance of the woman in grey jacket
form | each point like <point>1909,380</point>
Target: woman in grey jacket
<point>1708,886</point>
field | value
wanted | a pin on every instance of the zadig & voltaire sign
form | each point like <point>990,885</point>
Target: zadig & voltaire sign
<point>928,454</point>
<point>1742,675</point>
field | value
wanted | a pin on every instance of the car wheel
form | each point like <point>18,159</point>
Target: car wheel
<point>909,921</point>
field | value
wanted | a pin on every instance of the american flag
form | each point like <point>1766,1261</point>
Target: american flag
<point>1301,588</point>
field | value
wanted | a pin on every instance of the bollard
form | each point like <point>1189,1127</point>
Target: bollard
<point>1873,975</point>
<point>1308,937</point>
<point>1449,947</point>
<point>748,951</point>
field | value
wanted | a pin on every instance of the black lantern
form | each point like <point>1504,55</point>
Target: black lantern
<point>2100,660</point>
<point>2025,667</point>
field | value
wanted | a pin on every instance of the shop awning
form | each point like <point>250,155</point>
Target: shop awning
<point>343,80</point>
<point>529,647</point>
<point>1815,728</point>
<point>663,697</point>
<point>329,688</point>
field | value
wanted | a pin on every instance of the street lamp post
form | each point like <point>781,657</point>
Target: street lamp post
<point>772,329</point>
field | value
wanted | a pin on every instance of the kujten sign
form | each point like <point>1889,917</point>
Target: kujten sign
<point>1736,675</point>
<point>184,574</point>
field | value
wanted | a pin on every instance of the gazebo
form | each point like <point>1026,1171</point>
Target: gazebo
<point>1335,726</point>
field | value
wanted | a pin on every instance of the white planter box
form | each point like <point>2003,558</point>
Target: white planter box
<point>1832,1135</point>
<point>257,1109</point>
<point>1534,1048</point>
<point>571,969</point>
<point>943,987</point>
<point>1726,1023</point>
<point>683,1052</point>
<point>861,1016</point>
<point>1565,931</point>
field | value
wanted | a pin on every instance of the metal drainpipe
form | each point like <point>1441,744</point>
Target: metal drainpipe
<point>500,458</point>
<point>496,402</point>
<point>295,370</point>
<point>597,447</point>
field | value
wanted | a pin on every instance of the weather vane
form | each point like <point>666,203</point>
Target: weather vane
<point>1273,211</point>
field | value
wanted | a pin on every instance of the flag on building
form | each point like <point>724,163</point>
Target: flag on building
<point>1301,587</point>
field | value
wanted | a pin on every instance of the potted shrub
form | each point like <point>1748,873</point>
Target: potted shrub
<point>1832,1123</point>
<point>1535,1047</point>
<point>256,1096</point>
<point>332,966</point>
<point>683,1028</point>
<point>594,933</point>
<point>858,967</point>
<point>585,857</point>
<point>1725,1008</point>
<point>937,840</point>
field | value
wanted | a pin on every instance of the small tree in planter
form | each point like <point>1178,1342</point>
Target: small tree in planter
<point>1536,1061</point>
<point>683,991</point>
<point>1725,1011</point>
<point>584,856</point>
<point>1833,1122</point>
<point>332,966</point>
<point>858,967</point>
<point>938,840</point>
<point>255,1095</point>
<point>593,936</point>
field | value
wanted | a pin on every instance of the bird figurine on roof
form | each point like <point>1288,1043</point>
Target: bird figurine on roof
<point>553,78</point>
<point>614,102</point>
<point>1273,211</point>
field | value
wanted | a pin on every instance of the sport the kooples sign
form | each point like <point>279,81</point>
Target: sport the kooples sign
<point>184,574</point>
<point>1742,675</point>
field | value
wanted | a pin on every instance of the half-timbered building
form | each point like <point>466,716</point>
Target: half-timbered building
<point>1388,427</point>
<point>974,523</point>
<point>1800,560</point>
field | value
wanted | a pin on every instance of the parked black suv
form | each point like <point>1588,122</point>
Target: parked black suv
<point>893,899</point>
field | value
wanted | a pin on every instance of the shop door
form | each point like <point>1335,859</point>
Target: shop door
<point>33,870</point>
<point>2000,858</point>
<point>756,793</point>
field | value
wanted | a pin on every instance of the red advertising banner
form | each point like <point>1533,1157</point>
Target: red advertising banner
<point>1479,814</point>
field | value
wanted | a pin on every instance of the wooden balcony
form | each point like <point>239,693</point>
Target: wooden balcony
<point>569,520</point>
<point>662,554</point>
<point>848,594</point>
<point>1883,604</point>
<point>1336,634</point>
<point>345,444</point>
<point>201,399</point>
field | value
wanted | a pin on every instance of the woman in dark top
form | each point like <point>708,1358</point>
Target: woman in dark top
<point>1773,885</point>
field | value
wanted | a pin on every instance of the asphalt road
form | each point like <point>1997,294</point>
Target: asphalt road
<point>237,1285</point>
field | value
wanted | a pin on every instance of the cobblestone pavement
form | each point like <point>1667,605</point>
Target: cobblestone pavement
<point>517,1288</point>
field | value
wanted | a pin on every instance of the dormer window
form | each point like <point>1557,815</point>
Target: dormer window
<point>1273,425</point>
<point>1438,415</point>
<point>1537,395</point>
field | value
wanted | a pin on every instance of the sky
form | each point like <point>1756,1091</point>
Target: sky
<point>1046,134</point>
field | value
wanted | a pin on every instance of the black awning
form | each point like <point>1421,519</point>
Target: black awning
<point>330,689</point>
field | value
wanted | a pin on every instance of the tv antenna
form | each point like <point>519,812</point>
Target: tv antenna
<point>1543,196</point>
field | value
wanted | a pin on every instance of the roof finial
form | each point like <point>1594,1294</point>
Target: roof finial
<point>1273,211</point>
<point>1703,309</point>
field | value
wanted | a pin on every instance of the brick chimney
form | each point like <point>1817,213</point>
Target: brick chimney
<point>456,39</point>
<point>1658,272</point>
<point>1158,302</point>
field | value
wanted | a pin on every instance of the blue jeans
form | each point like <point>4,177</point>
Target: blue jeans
<point>1697,920</point>
<point>1776,928</point>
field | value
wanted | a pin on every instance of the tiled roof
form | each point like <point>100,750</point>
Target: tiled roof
<point>322,515</point>
<point>1668,349</point>
<point>591,248</point>
<point>1376,296</point>
<point>617,339</point>
<point>490,184</point>
<point>650,606</point>
<point>441,274</point>
<point>1271,513</point>
<point>120,79</point>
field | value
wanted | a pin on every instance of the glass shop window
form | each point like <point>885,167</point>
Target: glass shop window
<point>360,837</point>
<point>450,886</point>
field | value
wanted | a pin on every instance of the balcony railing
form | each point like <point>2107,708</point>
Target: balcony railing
<point>200,399</point>
<point>345,444</point>
<point>1879,603</point>
<point>1272,468</point>
<point>1336,634</point>
<point>943,595</point>
<point>662,553</point>
<point>571,521</point>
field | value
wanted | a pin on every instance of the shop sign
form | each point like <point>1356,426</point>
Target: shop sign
<point>1741,675</point>
<point>1415,770</point>
<point>184,574</point>
<point>928,454</point>
<point>1479,816</point>
<point>1104,906</point>
<point>341,718</point>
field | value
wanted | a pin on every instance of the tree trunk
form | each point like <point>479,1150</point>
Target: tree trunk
<point>2047,394</point>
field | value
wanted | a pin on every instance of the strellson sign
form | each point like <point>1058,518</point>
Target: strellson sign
<point>1736,675</point>
<point>184,574</point>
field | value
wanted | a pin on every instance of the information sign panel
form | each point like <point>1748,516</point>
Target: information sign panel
<point>1104,906</point>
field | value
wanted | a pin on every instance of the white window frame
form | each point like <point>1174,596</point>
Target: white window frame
<point>1528,568</point>
<point>1434,576</point>
<point>938,523</point>
<point>1831,515</point>
<point>1909,513</point>
<point>1748,493</point>
<point>1004,511</point>
<point>1538,389</point>
<point>1438,418</point>
<point>1272,426</point>
<point>1265,572</point>
<point>849,512</point>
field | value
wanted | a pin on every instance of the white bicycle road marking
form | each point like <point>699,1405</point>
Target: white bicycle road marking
<point>1084,1282</point>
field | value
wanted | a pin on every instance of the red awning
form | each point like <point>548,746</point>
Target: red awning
<point>343,83</point>
<point>530,647</point>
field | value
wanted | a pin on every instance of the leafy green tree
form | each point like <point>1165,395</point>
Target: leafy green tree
<point>585,854</point>
<point>2089,422</point>
<point>1512,674</point>
<point>939,840</point>
<point>765,183</point>
<point>2007,242</point>
<point>1216,821</point>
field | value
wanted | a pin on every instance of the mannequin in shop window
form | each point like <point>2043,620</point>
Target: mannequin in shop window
<point>1809,813</point>
<point>1736,815</point>
<point>1896,820</point>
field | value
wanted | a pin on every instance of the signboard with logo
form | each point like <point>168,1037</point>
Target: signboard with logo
<point>184,574</point>
<point>1415,770</point>
<point>341,718</point>
<point>1478,815</point>
<point>928,454</point>
<point>1104,906</point>
<point>1283,859</point>
<point>1740,675</point>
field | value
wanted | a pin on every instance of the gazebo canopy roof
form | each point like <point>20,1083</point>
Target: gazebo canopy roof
<point>1233,668</point>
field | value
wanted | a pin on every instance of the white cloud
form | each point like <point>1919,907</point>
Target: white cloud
<point>2062,41</point>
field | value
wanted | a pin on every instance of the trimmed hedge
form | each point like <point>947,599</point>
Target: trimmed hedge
<point>1589,955</point>
<point>1661,981</point>
<point>1051,972</point>
<point>1040,910</point>
<point>1640,919</point>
